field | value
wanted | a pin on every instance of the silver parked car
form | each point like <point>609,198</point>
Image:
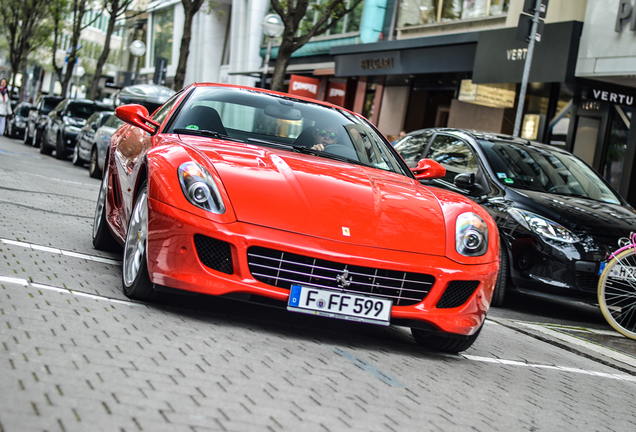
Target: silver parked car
<point>94,140</point>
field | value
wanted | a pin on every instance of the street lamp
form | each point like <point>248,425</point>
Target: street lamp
<point>137,49</point>
<point>272,28</point>
<point>78,72</point>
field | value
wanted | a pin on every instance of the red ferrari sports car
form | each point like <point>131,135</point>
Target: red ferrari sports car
<point>230,190</point>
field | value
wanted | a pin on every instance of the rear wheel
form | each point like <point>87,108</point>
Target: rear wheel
<point>93,168</point>
<point>135,278</point>
<point>443,342</point>
<point>102,238</point>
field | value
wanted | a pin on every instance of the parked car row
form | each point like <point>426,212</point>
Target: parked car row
<point>78,128</point>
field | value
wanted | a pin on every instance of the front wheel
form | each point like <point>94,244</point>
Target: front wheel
<point>27,138</point>
<point>60,151</point>
<point>443,342</point>
<point>499,293</point>
<point>93,167</point>
<point>135,278</point>
<point>617,293</point>
<point>40,139</point>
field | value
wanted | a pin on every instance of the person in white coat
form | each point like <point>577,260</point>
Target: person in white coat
<point>5,105</point>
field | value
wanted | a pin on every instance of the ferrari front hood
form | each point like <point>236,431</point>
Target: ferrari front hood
<point>330,199</point>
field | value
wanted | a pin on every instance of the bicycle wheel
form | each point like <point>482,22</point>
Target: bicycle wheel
<point>617,293</point>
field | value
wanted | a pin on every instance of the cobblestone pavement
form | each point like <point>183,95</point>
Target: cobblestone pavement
<point>77,355</point>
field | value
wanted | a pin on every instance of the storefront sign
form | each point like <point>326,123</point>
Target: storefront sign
<point>336,93</point>
<point>608,96</point>
<point>377,63</point>
<point>500,58</point>
<point>486,95</point>
<point>304,86</point>
<point>625,14</point>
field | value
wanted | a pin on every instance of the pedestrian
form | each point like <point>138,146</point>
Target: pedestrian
<point>5,105</point>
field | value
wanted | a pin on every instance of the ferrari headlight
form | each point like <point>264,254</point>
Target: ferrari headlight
<point>471,235</point>
<point>199,188</point>
<point>543,226</point>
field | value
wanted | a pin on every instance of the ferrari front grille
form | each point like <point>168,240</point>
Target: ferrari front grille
<point>213,253</point>
<point>457,293</point>
<point>283,269</point>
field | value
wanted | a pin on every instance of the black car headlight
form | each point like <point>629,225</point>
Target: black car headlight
<point>471,235</point>
<point>199,187</point>
<point>543,226</point>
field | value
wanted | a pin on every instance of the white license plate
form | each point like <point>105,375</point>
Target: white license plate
<point>336,304</point>
<point>622,272</point>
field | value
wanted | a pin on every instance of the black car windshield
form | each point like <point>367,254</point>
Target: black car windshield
<point>84,110</point>
<point>258,118</point>
<point>545,170</point>
<point>50,104</point>
<point>23,111</point>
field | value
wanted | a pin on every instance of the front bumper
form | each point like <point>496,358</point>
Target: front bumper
<point>174,260</point>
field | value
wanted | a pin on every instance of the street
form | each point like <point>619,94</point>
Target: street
<point>77,355</point>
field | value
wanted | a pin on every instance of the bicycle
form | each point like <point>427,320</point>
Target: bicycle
<point>617,289</point>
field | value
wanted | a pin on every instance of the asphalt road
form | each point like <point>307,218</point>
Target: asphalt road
<point>77,355</point>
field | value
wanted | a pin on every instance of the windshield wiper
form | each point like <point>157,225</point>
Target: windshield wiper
<point>203,132</point>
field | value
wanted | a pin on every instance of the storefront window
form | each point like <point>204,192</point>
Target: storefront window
<point>417,12</point>
<point>617,144</point>
<point>162,33</point>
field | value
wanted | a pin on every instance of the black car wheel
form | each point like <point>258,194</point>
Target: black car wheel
<point>40,139</point>
<point>9,130</point>
<point>93,168</point>
<point>443,342</point>
<point>27,139</point>
<point>503,277</point>
<point>60,151</point>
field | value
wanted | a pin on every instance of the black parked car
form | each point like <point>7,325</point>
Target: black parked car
<point>38,117</point>
<point>557,217</point>
<point>18,122</point>
<point>64,124</point>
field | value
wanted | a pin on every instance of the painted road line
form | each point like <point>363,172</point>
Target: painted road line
<point>615,355</point>
<point>61,252</point>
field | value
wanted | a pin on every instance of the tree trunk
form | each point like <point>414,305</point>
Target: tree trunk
<point>282,61</point>
<point>190,8</point>
<point>106,51</point>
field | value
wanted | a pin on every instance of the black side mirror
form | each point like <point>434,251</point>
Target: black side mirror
<point>465,180</point>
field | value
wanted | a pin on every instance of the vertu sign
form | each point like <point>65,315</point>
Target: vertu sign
<point>613,97</point>
<point>625,15</point>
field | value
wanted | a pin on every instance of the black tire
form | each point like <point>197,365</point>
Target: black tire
<point>503,277</point>
<point>441,342</point>
<point>40,139</point>
<point>60,151</point>
<point>93,167</point>
<point>135,279</point>
<point>77,160</point>
<point>27,139</point>
<point>102,238</point>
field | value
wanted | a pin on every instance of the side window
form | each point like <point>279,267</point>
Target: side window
<point>412,146</point>
<point>454,155</point>
<point>163,111</point>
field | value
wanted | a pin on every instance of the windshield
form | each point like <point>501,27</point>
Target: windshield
<point>24,111</point>
<point>544,170</point>
<point>262,119</point>
<point>49,105</point>
<point>83,110</point>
